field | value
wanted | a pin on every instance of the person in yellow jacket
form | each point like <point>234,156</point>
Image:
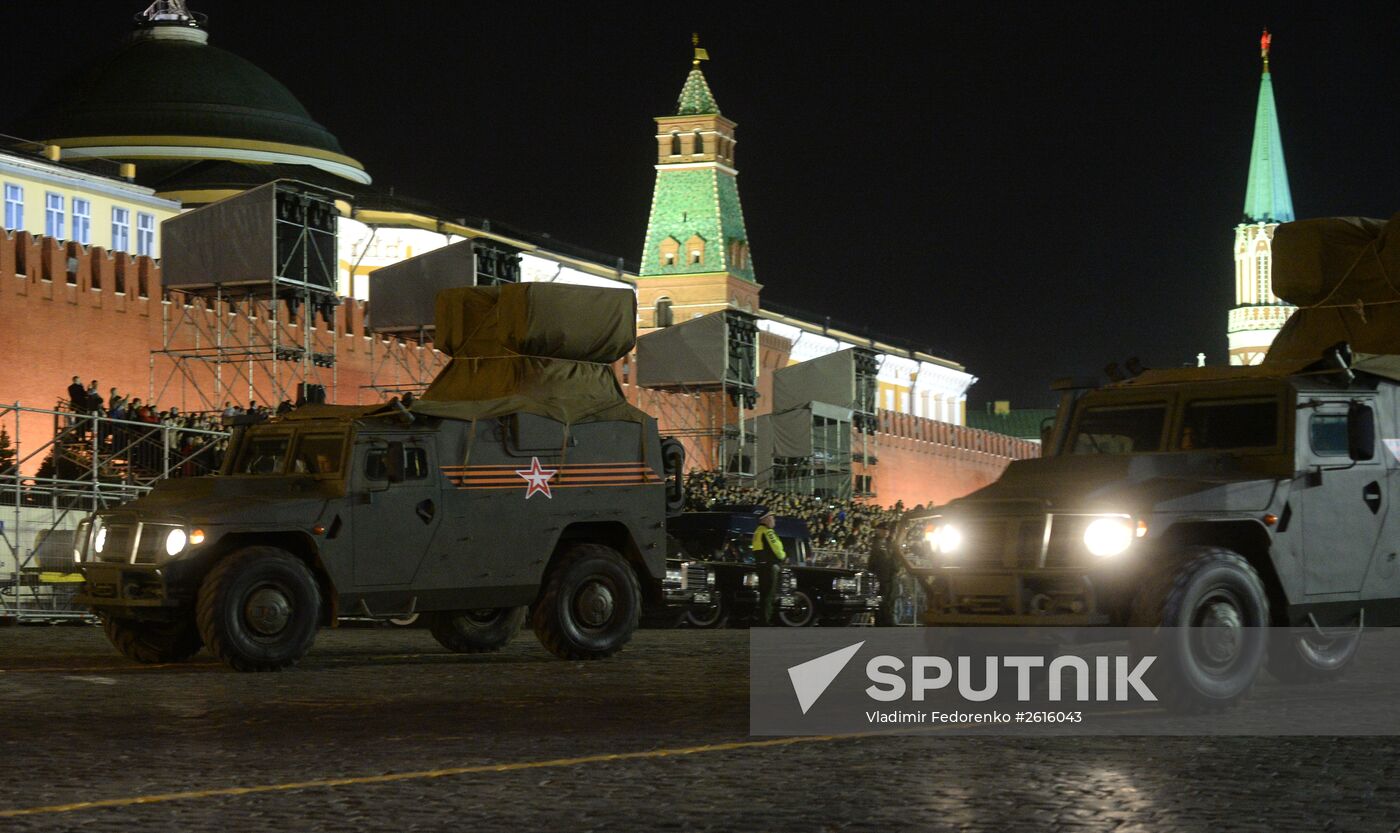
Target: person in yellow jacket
<point>768,552</point>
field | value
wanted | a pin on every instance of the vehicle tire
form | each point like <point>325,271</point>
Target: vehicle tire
<point>153,642</point>
<point>1307,657</point>
<point>716,616</point>
<point>409,621</point>
<point>259,609</point>
<point>803,612</point>
<point>1204,615</point>
<point>590,604</point>
<point>476,631</point>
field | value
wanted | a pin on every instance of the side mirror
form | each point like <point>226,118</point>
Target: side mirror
<point>1361,432</point>
<point>393,462</point>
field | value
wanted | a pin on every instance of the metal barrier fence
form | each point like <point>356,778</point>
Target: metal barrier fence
<point>85,463</point>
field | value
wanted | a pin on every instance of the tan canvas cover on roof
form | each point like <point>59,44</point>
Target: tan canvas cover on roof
<point>557,321</point>
<point>544,349</point>
<point>1343,274</point>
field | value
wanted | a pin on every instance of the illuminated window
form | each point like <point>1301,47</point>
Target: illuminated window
<point>695,250</point>
<point>14,207</point>
<point>145,234</point>
<point>670,251</point>
<point>82,221</point>
<point>53,216</point>
<point>121,229</point>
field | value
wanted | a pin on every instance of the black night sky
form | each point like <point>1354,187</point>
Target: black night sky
<point>1029,189</point>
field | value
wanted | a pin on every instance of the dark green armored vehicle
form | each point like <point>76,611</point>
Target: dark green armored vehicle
<point>522,485</point>
<point>1241,516</point>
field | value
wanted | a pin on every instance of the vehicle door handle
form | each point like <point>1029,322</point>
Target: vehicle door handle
<point>426,509</point>
<point>1372,496</point>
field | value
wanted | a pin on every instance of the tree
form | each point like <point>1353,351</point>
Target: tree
<point>7,452</point>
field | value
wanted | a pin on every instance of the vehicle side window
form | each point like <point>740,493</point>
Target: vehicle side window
<point>1249,424</point>
<point>1327,434</point>
<point>415,464</point>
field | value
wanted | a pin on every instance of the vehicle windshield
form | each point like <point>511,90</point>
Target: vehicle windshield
<point>266,453</point>
<point>263,454</point>
<point>1122,429</point>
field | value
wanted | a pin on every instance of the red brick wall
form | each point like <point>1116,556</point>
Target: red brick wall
<point>50,330</point>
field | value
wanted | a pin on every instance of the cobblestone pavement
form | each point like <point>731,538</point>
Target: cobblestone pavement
<point>520,741</point>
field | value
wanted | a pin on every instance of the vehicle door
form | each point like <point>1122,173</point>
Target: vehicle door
<point>1343,501</point>
<point>396,507</point>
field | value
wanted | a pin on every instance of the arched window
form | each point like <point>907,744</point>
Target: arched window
<point>699,143</point>
<point>664,316</point>
<point>675,143</point>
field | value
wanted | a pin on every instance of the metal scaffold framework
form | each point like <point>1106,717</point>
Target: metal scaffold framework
<point>87,463</point>
<point>699,379</point>
<point>245,281</point>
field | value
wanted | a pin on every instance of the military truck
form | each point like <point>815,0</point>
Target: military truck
<point>521,485</point>
<point>1241,516</point>
<point>808,593</point>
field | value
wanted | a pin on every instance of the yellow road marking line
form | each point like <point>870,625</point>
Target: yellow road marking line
<point>223,792</point>
<point>448,772</point>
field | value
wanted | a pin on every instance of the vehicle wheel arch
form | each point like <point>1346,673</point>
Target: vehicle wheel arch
<point>618,536</point>
<point>1246,536</point>
<point>299,544</point>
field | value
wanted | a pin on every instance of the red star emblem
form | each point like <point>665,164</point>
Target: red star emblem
<point>537,478</point>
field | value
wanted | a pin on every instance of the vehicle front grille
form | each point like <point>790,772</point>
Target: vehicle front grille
<point>694,577</point>
<point>117,548</point>
<point>866,584</point>
<point>1011,542</point>
<point>152,544</point>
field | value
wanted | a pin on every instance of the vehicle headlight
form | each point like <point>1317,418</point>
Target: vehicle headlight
<point>1109,536</point>
<point>751,580</point>
<point>175,542</point>
<point>944,538</point>
<point>100,541</point>
<point>673,577</point>
<point>845,585</point>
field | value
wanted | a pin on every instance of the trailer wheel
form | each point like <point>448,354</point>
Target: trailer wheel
<point>153,642</point>
<point>590,604</point>
<point>259,609</point>
<point>1307,657</point>
<point>1204,615</point>
<point>476,631</point>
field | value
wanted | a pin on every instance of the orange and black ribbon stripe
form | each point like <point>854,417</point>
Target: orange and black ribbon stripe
<point>567,475</point>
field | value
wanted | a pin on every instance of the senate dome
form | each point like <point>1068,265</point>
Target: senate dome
<point>170,102</point>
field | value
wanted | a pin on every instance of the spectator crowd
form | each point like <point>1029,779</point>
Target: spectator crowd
<point>834,524</point>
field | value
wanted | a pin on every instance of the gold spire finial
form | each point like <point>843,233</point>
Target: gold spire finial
<point>1264,42</point>
<point>700,54</point>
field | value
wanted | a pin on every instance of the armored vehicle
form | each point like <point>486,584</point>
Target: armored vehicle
<point>808,593</point>
<point>1205,505</point>
<point>521,485</point>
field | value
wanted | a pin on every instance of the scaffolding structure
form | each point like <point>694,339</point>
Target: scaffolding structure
<point>244,283</point>
<point>700,380</point>
<point>87,462</point>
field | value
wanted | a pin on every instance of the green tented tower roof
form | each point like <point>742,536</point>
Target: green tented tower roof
<point>696,98</point>
<point>1267,199</point>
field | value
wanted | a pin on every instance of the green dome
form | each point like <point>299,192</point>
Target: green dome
<point>166,89</point>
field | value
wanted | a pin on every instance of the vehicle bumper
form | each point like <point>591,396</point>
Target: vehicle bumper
<point>852,604</point>
<point>1029,598</point>
<point>689,598</point>
<point>136,588</point>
